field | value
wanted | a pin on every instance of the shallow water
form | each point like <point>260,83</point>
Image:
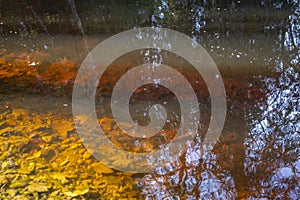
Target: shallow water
<point>257,155</point>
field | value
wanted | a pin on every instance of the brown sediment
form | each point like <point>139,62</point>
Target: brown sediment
<point>27,74</point>
<point>32,73</point>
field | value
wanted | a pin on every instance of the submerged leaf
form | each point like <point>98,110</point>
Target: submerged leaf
<point>101,168</point>
<point>19,183</point>
<point>38,187</point>
<point>77,192</point>
<point>59,176</point>
<point>26,168</point>
<point>5,130</point>
<point>63,127</point>
<point>19,112</point>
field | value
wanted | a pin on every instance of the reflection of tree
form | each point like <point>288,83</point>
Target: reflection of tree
<point>201,178</point>
<point>263,163</point>
<point>273,153</point>
<point>172,14</point>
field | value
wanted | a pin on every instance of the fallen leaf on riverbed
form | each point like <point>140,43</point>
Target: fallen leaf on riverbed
<point>63,127</point>
<point>101,168</point>
<point>77,192</point>
<point>59,176</point>
<point>19,112</point>
<point>38,187</point>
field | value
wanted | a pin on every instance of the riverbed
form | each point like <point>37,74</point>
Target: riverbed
<point>44,158</point>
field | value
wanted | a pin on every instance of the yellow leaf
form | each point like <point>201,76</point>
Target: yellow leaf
<point>86,155</point>
<point>77,192</point>
<point>5,130</point>
<point>37,154</point>
<point>59,176</point>
<point>63,127</point>
<point>101,168</point>
<point>38,187</point>
<point>19,112</point>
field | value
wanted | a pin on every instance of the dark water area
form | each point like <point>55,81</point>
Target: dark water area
<point>255,46</point>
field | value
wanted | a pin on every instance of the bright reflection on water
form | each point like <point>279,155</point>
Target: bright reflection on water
<point>273,141</point>
<point>261,158</point>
